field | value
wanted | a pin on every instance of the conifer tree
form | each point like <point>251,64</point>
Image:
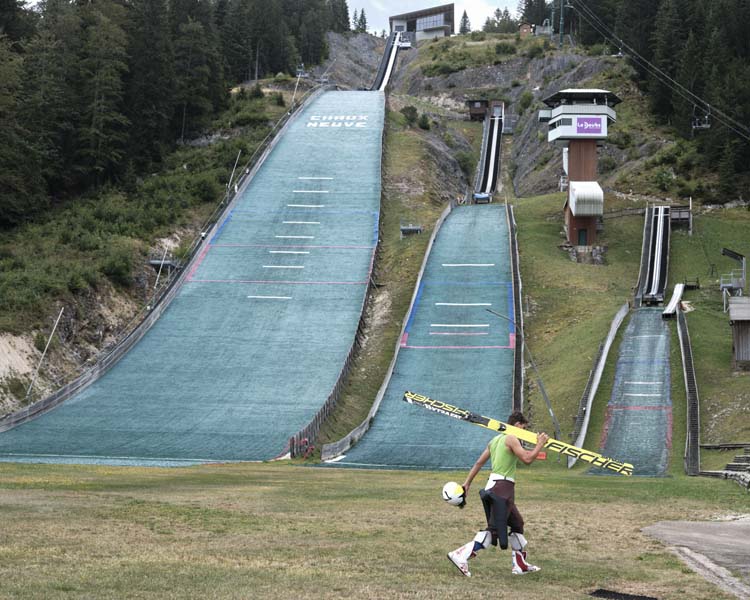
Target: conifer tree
<point>362,26</point>
<point>355,21</point>
<point>465,26</point>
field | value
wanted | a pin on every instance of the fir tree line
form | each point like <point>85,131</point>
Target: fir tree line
<point>92,91</point>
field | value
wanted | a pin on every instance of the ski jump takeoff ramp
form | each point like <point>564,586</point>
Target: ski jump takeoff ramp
<point>451,349</point>
<point>254,342</point>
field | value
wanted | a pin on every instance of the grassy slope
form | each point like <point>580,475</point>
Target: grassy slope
<point>280,531</point>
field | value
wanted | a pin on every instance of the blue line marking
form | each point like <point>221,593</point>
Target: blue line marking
<point>414,309</point>
<point>218,231</point>
<point>511,309</point>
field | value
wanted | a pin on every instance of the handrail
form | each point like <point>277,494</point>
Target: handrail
<point>692,443</point>
<point>518,371</point>
<point>592,386</point>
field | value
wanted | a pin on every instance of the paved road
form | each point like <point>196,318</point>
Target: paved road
<point>713,549</point>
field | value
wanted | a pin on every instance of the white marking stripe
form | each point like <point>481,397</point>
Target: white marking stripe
<point>295,237</point>
<point>463,304</point>
<point>283,267</point>
<point>644,395</point>
<point>271,297</point>
<point>287,252</point>
<point>459,325</point>
<point>306,205</point>
<point>309,191</point>
<point>465,333</point>
<point>326,178</point>
<point>468,264</point>
<point>643,383</point>
<point>646,336</point>
<point>301,222</point>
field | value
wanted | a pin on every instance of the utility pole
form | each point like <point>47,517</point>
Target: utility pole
<point>562,21</point>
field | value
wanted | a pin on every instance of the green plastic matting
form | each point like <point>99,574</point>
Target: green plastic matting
<point>638,424</point>
<point>452,350</point>
<point>254,342</point>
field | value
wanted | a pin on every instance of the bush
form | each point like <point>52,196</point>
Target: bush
<point>117,262</point>
<point>466,162</point>
<point>440,68</point>
<point>424,121</point>
<point>607,164</point>
<point>278,99</point>
<point>535,51</point>
<point>478,36</point>
<point>206,188</point>
<point>525,100</point>
<point>410,113</point>
<point>256,91</point>
<point>505,48</point>
<point>281,76</point>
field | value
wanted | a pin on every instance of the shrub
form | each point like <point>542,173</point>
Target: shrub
<point>525,100</point>
<point>281,76</point>
<point>117,262</point>
<point>256,91</point>
<point>607,164</point>
<point>424,121</point>
<point>505,48</point>
<point>206,188</point>
<point>466,162</point>
<point>535,51</point>
<point>478,36</point>
<point>278,99</point>
<point>410,113</point>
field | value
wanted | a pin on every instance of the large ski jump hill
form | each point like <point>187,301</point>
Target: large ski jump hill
<point>256,338</point>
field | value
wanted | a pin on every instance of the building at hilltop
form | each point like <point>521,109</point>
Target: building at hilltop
<point>426,24</point>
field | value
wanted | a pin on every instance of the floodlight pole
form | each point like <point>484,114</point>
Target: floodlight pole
<point>562,21</point>
<point>556,425</point>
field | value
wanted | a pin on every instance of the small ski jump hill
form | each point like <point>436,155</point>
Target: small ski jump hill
<point>451,349</point>
<point>638,422</point>
<point>255,340</point>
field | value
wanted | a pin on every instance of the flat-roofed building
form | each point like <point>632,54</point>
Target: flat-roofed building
<point>426,24</point>
<point>739,319</point>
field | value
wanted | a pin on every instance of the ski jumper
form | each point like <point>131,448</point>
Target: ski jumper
<point>501,481</point>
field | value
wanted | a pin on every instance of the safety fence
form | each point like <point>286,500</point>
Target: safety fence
<point>329,451</point>
<point>692,442</point>
<point>518,381</point>
<point>137,327</point>
<point>583,416</point>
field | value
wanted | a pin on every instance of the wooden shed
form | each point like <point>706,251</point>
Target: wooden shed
<point>477,109</point>
<point>739,320</point>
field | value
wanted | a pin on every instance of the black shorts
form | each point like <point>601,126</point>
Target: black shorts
<point>507,490</point>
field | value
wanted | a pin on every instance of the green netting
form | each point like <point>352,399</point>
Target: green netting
<point>638,426</point>
<point>453,350</point>
<point>250,348</point>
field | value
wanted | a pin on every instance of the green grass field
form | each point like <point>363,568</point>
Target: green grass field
<point>290,531</point>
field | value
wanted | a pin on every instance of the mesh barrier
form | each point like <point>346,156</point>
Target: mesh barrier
<point>255,340</point>
<point>452,350</point>
<point>638,425</point>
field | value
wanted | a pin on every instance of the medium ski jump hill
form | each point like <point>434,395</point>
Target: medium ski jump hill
<point>452,349</point>
<point>256,338</point>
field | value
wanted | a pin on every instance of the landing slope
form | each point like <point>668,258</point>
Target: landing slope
<point>452,350</point>
<point>253,344</point>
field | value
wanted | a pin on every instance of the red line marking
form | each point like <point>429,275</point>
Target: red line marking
<point>457,347</point>
<point>279,282</point>
<point>289,246</point>
<point>198,262</point>
<point>403,339</point>
<point>644,407</point>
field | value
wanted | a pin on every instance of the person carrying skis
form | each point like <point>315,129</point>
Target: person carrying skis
<point>504,451</point>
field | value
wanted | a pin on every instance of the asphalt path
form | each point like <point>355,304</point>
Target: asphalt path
<point>718,550</point>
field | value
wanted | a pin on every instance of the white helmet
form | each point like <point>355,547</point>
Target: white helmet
<point>454,494</point>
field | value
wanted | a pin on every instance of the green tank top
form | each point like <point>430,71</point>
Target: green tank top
<point>503,460</point>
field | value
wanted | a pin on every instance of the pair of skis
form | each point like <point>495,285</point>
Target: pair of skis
<point>528,436</point>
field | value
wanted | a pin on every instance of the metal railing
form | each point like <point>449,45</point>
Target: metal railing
<point>692,443</point>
